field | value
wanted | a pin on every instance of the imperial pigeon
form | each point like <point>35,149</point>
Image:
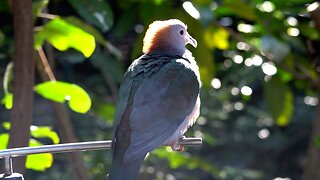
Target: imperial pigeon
<point>159,98</point>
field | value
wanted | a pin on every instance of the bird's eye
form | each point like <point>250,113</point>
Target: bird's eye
<point>181,32</point>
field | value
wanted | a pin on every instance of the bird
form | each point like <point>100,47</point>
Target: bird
<point>158,98</point>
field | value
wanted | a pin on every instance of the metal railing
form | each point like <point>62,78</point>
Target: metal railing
<point>8,154</point>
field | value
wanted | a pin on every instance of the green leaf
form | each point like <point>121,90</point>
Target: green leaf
<point>63,35</point>
<point>86,27</point>
<point>44,132</point>
<point>39,132</point>
<point>6,125</point>
<point>38,6</point>
<point>38,162</point>
<point>4,138</point>
<point>7,100</point>
<point>279,99</point>
<point>216,37</point>
<point>78,99</point>
<point>97,35</point>
<point>96,12</point>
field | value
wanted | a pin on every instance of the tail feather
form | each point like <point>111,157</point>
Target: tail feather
<point>125,171</point>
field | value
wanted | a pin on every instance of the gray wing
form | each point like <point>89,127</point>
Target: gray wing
<point>160,105</point>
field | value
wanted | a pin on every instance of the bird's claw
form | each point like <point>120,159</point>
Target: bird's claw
<point>176,146</point>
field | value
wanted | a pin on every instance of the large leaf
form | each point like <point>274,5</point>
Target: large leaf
<point>279,99</point>
<point>63,35</point>
<point>78,99</point>
<point>97,12</point>
<point>38,162</point>
<point>94,32</point>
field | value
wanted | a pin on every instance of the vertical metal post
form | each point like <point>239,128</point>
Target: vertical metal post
<point>8,165</point>
<point>8,170</point>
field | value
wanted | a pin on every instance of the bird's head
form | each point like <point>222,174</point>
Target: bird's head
<point>170,35</point>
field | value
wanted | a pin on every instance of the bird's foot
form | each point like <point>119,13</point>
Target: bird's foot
<point>176,146</point>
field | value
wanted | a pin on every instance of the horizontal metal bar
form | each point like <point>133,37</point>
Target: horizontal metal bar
<point>56,148</point>
<point>70,147</point>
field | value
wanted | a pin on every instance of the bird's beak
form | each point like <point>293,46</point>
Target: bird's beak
<point>190,40</point>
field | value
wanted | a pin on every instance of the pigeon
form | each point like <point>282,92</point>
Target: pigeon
<point>158,99</point>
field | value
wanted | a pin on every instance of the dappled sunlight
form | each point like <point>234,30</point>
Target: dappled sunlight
<point>246,90</point>
<point>246,28</point>
<point>216,83</point>
<point>237,59</point>
<point>248,62</point>
<point>310,101</point>
<point>268,68</point>
<point>292,21</point>
<point>191,10</point>
<point>293,31</point>
<point>257,60</point>
<point>266,6</point>
<point>313,6</point>
<point>243,46</point>
<point>238,106</point>
<point>235,91</point>
<point>263,133</point>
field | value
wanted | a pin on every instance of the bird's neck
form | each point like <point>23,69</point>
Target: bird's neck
<point>178,52</point>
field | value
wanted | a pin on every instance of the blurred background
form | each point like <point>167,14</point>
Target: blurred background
<point>260,68</point>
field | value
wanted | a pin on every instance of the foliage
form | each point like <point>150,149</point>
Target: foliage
<point>259,67</point>
<point>38,162</point>
<point>78,99</point>
<point>63,35</point>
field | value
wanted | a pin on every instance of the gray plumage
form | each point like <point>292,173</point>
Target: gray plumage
<point>159,98</point>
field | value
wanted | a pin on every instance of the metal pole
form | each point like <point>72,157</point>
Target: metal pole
<point>70,147</point>
<point>8,154</point>
<point>8,165</point>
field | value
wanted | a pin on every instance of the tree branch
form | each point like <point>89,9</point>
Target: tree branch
<point>22,111</point>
